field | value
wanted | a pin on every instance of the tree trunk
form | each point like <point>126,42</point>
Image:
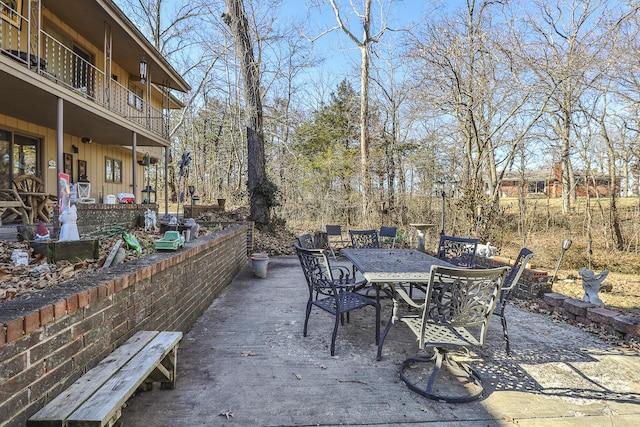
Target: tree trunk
<point>236,19</point>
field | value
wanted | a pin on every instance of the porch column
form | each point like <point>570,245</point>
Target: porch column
<point>59,141</point>
<point>134,146</point>
<point>166,182</point>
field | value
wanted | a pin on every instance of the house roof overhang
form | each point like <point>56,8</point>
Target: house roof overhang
<point>129,46</point>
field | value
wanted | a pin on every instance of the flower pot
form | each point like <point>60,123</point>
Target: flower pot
<point>221,203</point>
<point>259,263</point>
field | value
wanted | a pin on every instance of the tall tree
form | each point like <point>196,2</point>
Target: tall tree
<point>261,192</point>
<point>365,45</point>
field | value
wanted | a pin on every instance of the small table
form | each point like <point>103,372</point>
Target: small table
<point>391,266</point>
<point>422,232</point>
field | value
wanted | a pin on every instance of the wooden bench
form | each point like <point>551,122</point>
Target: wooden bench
<point>97,397</point>
<point>9,199</point>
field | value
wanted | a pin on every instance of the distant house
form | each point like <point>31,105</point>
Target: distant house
<point>83,93</point>
<point>548,182</point>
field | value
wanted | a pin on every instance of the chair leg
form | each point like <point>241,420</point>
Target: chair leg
<point>505,333</point>
<point>306,318</point>
<point>333,254</point>
<point>377,307</point>
<point>335,333</point>
<point>463,378</point>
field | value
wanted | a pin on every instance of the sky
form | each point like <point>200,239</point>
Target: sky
<point>340,52</point>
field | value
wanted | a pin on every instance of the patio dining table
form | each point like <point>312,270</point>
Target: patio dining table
<point>388,267</point>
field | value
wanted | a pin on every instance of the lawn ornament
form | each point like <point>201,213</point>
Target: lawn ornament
<point>591,283</point>
<point>150,221</point>
<point>69,229</point>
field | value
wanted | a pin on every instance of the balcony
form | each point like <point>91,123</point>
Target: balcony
<point>43,54</point>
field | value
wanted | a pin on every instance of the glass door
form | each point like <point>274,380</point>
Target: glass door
<point>5,159</point>
<point>26,156</point>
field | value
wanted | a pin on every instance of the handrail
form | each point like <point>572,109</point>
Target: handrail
<point>65,67</point>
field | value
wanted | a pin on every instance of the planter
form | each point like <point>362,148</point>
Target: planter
<point>259,263</point>
<point>221,203</point>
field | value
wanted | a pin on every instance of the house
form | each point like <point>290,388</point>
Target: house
<point>548,183</point>
<point>82,92</point>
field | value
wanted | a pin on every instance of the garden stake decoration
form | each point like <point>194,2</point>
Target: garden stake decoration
<point>185,163</point>
<point>566,244</point>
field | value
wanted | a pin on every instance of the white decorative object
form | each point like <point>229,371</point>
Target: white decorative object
<point>69,228</point>
<point>591,283</point>
<point>194,228</point>
<point>84,193</point>
<point>150,221</point>
<point>487,250</point>
<point>19,257</point>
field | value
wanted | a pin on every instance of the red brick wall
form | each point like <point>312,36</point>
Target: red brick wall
<point>49,340</point>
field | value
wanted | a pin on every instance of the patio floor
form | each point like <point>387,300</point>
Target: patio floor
<point>246,363</point>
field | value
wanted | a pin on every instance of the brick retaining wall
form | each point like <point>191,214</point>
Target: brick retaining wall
<point>48,340</point>
<point>625,327</point>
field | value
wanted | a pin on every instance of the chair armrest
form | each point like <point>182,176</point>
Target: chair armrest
<point>403,294</point>
<point>344,272</point>
<point>408,300</point>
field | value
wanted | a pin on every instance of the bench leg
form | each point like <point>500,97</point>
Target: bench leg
<point>165,372</point>
<point>170,363</point>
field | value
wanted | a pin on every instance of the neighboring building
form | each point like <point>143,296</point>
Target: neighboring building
<point>73,98</point>
<point>548,183</point>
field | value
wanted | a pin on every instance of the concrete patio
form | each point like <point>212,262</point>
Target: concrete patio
<point>246,363</point>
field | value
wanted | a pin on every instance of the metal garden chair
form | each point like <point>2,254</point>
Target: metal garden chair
<point>330,295</point>
<point>458,251</point>
<point>455,317</point>
<point>344,277</point>
<point>364,239</point>
<point>510,282</point>
<point>388,233</point>
<point>334,238</point>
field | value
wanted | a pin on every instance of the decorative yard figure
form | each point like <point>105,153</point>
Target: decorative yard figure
<point>591,283</point>
<point>69,228</point>
<point>194,227</point>
<point>150,223</point>
<point>132,242</point>
<point>487,250</point>
<point>19,257</point>
<point>42,233</point>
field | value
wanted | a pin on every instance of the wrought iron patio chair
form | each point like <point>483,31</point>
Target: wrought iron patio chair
<point>364,239</point>
<point>334,238</point>
<point>455,317</point>
<point>388,233</point>
<point>330,296</point>
<point>458,251</point>
<point>344,274</point>
<point>305,241</point>
<point>510,282</point>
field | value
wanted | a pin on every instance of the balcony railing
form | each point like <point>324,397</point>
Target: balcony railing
<point>65,67</point>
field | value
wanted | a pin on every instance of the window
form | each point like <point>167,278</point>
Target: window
<point>113,169</point>
<point>134,97</point>
<point>536,187</point>
<point>19,154</point>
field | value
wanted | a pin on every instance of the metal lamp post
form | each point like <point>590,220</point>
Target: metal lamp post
<point>566,244</point>
<point>443,194</point>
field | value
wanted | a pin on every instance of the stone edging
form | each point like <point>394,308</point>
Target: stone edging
<point>623,326</point>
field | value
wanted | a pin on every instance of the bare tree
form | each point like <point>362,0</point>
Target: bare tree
<point>364,44</point>
<point>482,93</point>
<point>260,192</point>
